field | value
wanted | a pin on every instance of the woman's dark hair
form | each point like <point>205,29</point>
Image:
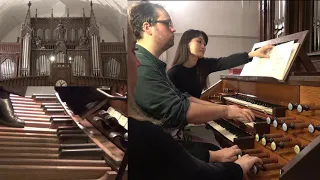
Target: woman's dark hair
<point>183,52</point>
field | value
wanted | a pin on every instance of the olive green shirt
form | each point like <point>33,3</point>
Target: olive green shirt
<point>155,93</point>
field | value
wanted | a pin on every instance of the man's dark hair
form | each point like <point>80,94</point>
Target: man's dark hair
<point>143,12</point>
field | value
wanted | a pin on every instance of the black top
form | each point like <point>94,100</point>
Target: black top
<point>154,154</point>
<point>187,80</point>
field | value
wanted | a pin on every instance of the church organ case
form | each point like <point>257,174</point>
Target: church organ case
<point>46,43</point>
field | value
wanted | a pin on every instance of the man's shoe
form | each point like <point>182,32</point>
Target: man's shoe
<point>7,116</point>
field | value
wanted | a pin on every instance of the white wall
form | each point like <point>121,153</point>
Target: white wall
<point>232,26</point>
<point>107,36</point>
<point>12,35</point>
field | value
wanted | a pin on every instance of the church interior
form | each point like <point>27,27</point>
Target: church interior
<point>63,78</point>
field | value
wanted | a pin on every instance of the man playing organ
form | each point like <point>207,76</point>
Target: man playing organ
<point>158,97</point>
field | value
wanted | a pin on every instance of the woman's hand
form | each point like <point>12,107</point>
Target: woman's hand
<point>261,52</point>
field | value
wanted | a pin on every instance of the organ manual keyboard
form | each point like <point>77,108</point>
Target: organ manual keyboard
<point>58,144</point>
<point>285,134</point>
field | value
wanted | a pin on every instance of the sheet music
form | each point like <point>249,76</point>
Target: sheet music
<point>275,66</point>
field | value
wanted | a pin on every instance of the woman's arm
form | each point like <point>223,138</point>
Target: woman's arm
<point>223,63</point>
<point>234,60</point>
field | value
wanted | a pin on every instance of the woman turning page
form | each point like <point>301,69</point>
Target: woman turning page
<point>190,68</point>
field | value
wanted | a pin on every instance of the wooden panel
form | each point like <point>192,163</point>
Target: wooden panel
<point>309,94</point>
<point>216,88</point>
<point>248,88</point>
<point>281,94</point>
<point>233,85</point>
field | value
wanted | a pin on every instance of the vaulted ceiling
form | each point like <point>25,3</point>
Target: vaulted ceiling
<point>109,13</point>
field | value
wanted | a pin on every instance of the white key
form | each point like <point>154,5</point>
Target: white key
<point>123,120</point>
<point>116,114</point>
<point>261,108</point>
<point>110,111</point>
<point>250,105</point>
<point>237,101</point>
<point>223,131</point>
<point>126,126</point>
<point>250,124</point>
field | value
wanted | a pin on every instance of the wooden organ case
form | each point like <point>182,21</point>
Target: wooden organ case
<point>62,51</point>
<point>286,130</point>
<point>58,144</point>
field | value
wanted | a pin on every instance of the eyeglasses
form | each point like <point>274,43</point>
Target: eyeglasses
<point>167,22</point>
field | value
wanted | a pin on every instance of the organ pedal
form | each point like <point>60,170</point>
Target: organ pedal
<point>54,146</point>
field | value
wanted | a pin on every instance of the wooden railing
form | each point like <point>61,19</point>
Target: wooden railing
<point>26,81</point>
<point>96,81</point>
<point>9,48</point>
<point>75,81</point>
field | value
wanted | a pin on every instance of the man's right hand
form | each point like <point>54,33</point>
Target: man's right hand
<point>236,113</point>
<point>225,155</point>
<point>246,162</point>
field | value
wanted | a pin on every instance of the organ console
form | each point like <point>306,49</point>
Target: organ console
<point>289,141</point>
<point>56,143</point>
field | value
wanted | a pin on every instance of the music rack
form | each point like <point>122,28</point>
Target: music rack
<point>294,73</point>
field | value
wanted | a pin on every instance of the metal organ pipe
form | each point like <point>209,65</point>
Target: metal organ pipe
<point>44,67</point>
<point>94,55</point>
<point>77,64</point>
<point>97,55</point>
<point>27,56</point>
<point>24,55</point>
<point>93,65</point>
<point>6,69</point>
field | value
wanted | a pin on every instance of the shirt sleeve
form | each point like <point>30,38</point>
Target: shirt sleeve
<point>223,63</point>
<point>159,99</point>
